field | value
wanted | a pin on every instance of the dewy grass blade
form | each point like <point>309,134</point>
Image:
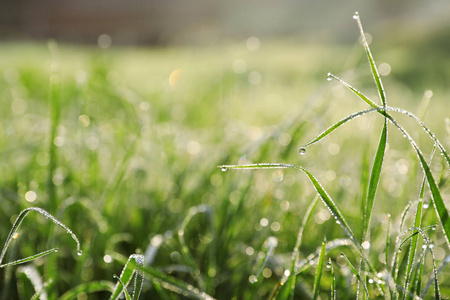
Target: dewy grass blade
<point>374,179</point>
<point>373,67</point>
<point>319,271</point>
<point>329,203</point>
<point>127,273</point>
<point>333,279</point>
<point>123,287</point>
<point>16,225</point>
<point>30,274</point>
<point>270,244</point>
<point>30,258</point>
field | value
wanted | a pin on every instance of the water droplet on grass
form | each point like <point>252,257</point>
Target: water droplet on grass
<point>80,253</point>
<point>224,169</point>
<point>356,15</point>
<point>329,77</point>
<point>302,151</point>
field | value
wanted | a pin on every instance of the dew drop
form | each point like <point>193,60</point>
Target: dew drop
<point>356,15</point>
<point>302,151</point>
<point>338,222</point>
<point>342,254</point>
<point>56,250</point>
<point>253,279</point>
<point>329,76</point>
<point>328,266</point>
<point>224,169</point>
<point>80,253</point>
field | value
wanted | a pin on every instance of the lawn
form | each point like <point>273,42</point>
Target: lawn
<point>122,145</point>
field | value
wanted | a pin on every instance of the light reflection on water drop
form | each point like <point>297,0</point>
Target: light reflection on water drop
<point>356,15</point>
<point>224,169</point>
<point>302,151</point>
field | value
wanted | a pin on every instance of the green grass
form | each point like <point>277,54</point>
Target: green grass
<point>112,152</point>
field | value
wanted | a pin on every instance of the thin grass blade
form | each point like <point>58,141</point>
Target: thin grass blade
<point>318,276</point>
<point>16,226</point>
<point>333,279</point>
<point>123,286</point>
<point>127,273</point>
<point>356,274</point>
<point>373,67</point>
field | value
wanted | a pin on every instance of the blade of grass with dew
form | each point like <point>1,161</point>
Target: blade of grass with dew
<point>329,203</point>
<point>16,226</point>
<point>270,244</point>
<point>30,258</point>
<point>438,201</point>
<point>125,277</point>
<point>286,286</point>
<point>318,276</point>
<point>437,293</point>
<point>373,67</point>
<point>88,287</point>
<point>388,241</point>
<point>355,273</point>
<point>166,281</point>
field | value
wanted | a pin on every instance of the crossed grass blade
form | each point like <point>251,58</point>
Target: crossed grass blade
<point>125,277</point>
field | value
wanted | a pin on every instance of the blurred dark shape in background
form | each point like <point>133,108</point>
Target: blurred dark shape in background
<point>133,22</point>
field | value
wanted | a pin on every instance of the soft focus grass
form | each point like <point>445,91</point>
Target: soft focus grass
<point>136,151</point>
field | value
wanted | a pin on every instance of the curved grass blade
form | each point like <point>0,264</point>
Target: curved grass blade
<point>373,67</point>
<point>438,201</point>
<point>88,287</point>
<point>30,258</point>
<point>356,274</point>
<point>319,271</point>
<point>374,179</point>
<point>16,226</point>
<point>166,281</point>
<point>437,293</point>
<point>126,275</point>
<point>287,283</point>
<point>320,190</point>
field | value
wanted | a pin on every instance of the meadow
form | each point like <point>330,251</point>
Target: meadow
<point>118,169</point>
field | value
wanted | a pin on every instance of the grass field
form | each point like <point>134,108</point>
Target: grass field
<point>122,146</point>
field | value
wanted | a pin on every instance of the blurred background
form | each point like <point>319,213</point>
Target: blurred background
<point>176,21</point>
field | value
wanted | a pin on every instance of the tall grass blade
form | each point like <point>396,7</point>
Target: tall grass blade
<point>16,226</point>
<point>319,271</point>
<point>329,203</point>
<point>374,179</point>
<point>373,67</point>
<point>123,286</point>
<point>127,273</point>
<point>288,281</point>
<point>88,287</point>
<point>333,280</point>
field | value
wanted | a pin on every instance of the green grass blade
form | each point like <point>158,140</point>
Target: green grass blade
<point>388,241</point>
<point>374,179</point>
<point>320,190</point>
<point>270,244</point>
<point>319,271</point>
<point>339,123</point>
<point>287,283</point>
<point>356,274</point>
<point>88,287</point>
<point>438,201</point>
<point>166,281</point>
<point>123,287</point>
<point>373,67</point>
<point>30,274</point>
<point>354,90</point>
<point>16,226</point>
<point>30,258</point>
<point>126,276</point>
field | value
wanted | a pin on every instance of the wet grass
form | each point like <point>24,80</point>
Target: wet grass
<point>120,148</point>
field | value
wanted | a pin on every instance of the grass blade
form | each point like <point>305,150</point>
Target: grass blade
<point>126,275</point>
<point>319,271</point>
<point>270,244</point>
<point>123,286</point>
<point>333,280</point>
<point>373,67</point>
<point>31,274</point>
<point>320,190</point>
<point>16,226</point>
<point>374,179</point>
<point>356,274</point>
